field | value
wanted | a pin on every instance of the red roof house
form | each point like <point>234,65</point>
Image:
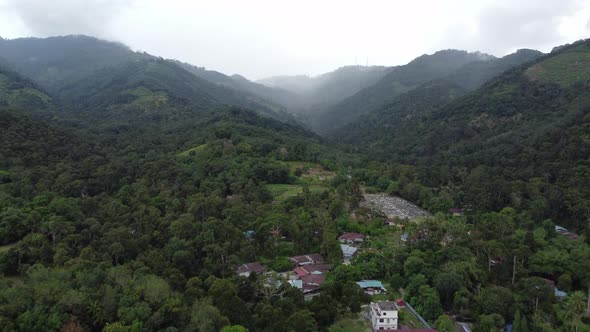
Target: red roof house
<point>246,269</point>
<point>351,238</point>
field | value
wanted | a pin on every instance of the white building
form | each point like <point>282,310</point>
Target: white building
<point>348,252</point>
<point>383,315</point>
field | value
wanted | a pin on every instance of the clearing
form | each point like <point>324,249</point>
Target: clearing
<point>394,207</point>
<point>281,192</point>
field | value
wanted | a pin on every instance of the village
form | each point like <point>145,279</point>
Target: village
<point>397,223</point>
<point>387,310</point>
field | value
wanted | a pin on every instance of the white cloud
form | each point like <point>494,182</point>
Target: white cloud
<point>259,38</point>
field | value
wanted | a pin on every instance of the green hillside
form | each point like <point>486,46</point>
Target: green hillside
<point>566,68</point>
<point>84,71</point>
<point>494,143</point>
<point>133,195</point>
<point>467,70</point>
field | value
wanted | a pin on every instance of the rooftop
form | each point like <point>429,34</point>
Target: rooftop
<point>313,268</point>
<point>348,250</point>
<point>296,283</point>
<point>351,236</point>
<point>370,284</point>
<point>384,305</point>
<point>313,279</point>
<point>250,267</point>
<point>307,259</point>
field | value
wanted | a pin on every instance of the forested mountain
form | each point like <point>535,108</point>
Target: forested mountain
<point>27,142</point>
<point>521,136</point>
<point>75,68</point>
<point>74,199</point>
<point>278,96</point>
<point>133,190</point>
<point>329,88</point>
<point>469,70</point>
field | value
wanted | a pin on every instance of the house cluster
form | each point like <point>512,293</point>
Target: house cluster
<point>309,274</point>
<point>349,244</point>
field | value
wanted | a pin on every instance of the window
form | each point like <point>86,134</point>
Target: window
<point>381,320</point>
<point>384,313</point>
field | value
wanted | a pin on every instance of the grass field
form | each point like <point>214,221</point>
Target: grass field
<point>350,325</point>
<point>564,69</point>
<point>408,319</point>
<point>7,247</point>
<point>196,149</point>
<point>281,192</point>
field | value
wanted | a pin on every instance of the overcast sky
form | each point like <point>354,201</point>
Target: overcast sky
<point>259,38</point>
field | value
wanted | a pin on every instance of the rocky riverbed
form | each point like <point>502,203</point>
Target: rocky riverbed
<point>393,207</point>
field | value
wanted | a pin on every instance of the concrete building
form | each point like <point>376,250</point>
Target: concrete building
<point>383,315</point>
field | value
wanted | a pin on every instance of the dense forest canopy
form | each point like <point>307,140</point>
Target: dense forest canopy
<point>133,188</point>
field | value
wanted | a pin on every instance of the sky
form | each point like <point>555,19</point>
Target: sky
<point>262,38</point>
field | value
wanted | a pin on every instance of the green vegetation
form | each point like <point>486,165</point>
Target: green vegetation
<point>565,69</point>
<point>465,71</point>
<point>351,325</point>
<point>407,318</point>
<point>131,192</point>
<point>282,192</point>
<point>193,151</point>
<point>515,142</point>
<point>7,247</point>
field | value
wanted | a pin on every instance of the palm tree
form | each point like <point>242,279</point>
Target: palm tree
<point>573,309</point>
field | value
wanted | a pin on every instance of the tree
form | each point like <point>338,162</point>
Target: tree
<point>447,283</point>
<point>580,257</point>
<point>519,324</point>
<point>573,308</point>
<point>444,324</point>
<point>302,320</point>
<point>206,318</point>
<point>234,328</point>
<point>489,323</point>
<point>428,303</point>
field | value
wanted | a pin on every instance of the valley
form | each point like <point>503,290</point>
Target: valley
<point>139,193</point>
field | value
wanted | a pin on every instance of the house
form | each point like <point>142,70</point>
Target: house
<point>245,270</point>
<point>455,212</point>
<point>311,285</point>
<point>372,287</point>
<point>559,294</point>
<point>566,233</point>
<point>312,269</point>
<point>296,283</point>
<point>464,327</point>
<point>404,237</point>
<point>313,279</point>
<point>495,261</point>
<point>351,238</point>
<point>390,222</point>
<point>307,259</point>
<point>348,252</point>
<point>250,234</point>
<point>383,315</point>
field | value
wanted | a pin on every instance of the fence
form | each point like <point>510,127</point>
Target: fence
<point>426,325</point>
